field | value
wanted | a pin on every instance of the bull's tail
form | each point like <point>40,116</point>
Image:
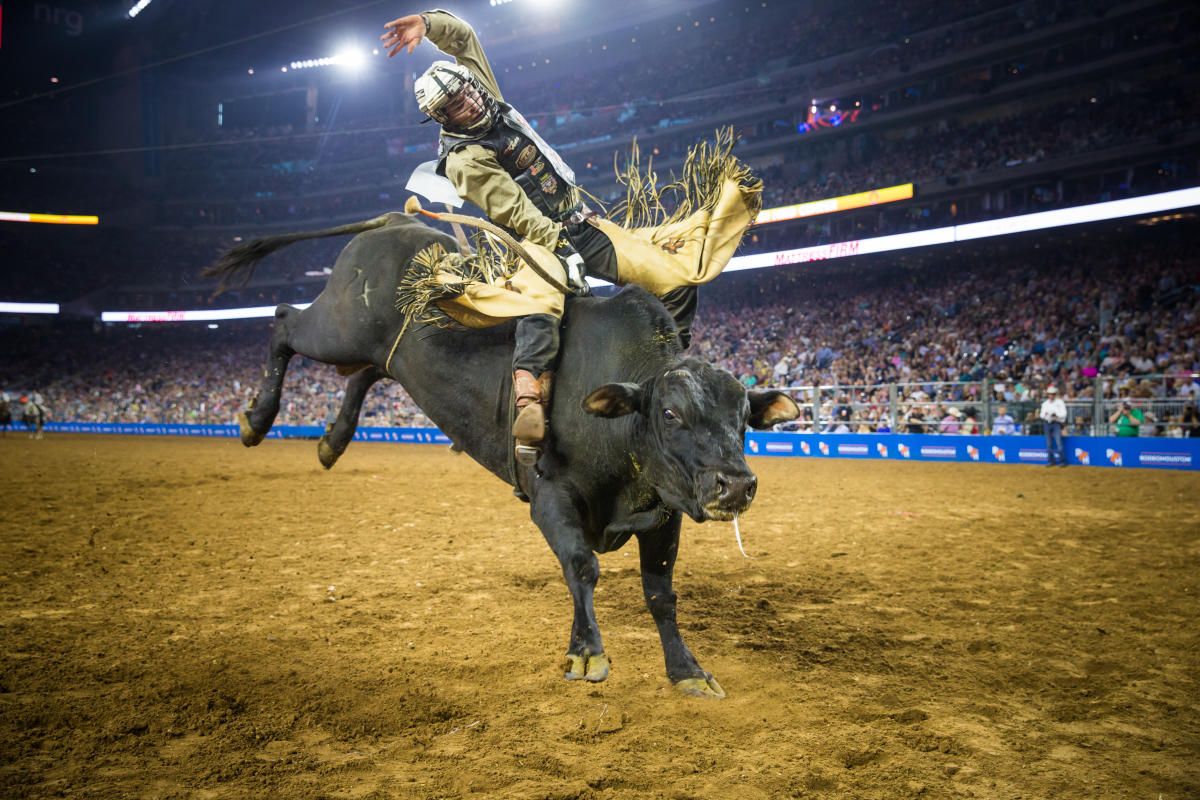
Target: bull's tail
<point>238,264</point>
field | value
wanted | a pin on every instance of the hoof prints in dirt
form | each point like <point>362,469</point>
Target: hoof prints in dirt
<point>188,647</point>
<point>800,622</point>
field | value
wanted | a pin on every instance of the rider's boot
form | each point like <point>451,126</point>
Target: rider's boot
<point>529,428</point>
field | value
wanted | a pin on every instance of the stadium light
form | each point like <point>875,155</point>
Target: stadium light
<point>1096,212</point>
<point>197,315</point>
<point>351,58</point>
<point>49,219</point>
<point>138,8</point>
<point>857,247</point>
<point>888,194</point>
<point>1077,215</point>
<point>28,308</point>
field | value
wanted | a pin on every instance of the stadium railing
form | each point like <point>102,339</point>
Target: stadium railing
<point>921,407</point>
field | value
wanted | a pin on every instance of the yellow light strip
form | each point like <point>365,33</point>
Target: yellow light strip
<point>50,219</point>
<point>846,202</point>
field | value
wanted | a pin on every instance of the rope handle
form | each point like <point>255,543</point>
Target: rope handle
<point>413,206</point>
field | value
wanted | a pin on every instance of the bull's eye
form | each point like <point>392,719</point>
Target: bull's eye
<point>670,416</point>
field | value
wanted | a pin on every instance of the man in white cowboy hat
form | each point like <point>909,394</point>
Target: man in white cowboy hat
<point>952,422</point>
<point>1054,414</point>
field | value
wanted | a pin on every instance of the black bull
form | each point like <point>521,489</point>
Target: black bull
<point>639,434</point>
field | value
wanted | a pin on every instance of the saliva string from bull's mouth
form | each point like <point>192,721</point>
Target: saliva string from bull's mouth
<point>737,534</point>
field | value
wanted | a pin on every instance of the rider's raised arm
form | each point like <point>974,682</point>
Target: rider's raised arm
<point>456,38</point>
<point>478,177</point>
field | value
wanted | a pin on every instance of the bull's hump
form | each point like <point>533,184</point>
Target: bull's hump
<point>633,321</point>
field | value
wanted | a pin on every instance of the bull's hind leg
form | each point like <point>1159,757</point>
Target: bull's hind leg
<point>658,549</point>
<point>255,422</point>
<point>555,514</point>
<point>338,435</point>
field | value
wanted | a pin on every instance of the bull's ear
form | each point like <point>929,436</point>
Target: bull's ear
<point>771,407</point>
<point>614,400</point>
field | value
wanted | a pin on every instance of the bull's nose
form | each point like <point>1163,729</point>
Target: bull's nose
<point>736,490</point>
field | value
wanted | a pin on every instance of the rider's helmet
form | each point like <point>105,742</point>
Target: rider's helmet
<point>453,98</point>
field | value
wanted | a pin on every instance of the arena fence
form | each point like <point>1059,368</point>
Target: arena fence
<point>1097,451</point>
<point>923,408</point>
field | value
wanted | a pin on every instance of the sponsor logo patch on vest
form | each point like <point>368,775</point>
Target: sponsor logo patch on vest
<point>510,144</point>
<point>548,184</point>
<point>526,156</point>
<point>537,167</point>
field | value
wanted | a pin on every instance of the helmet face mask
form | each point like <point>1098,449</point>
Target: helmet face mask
<point>449,94</point>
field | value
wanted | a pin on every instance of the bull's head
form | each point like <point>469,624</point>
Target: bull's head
<point>693,417</point>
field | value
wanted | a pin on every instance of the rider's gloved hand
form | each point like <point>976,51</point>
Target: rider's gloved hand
<point>576,275</point>
<point>573,263</point>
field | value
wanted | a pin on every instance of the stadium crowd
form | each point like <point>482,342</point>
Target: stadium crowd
<point>355,165</point>
<point>1085,322</point>
<point>281,173</point>
<point>160,266</point>
<point>193,376</point>
<point>829,168</point>
<point>826,166</point>
<point>962,342</point>
<point>1019,320</point>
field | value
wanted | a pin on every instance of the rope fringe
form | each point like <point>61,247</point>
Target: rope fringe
<point>709,164</point>
<point>435,275</point>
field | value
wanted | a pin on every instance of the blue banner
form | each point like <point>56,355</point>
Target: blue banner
<point>1093,451</point>
<point>410,435</point>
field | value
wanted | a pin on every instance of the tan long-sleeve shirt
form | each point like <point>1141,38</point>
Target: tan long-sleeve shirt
<point>476,174</point>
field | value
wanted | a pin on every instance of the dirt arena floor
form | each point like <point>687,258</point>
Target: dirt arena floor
<point>190,619</point>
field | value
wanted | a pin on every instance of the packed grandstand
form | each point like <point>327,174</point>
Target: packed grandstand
<point>988,110</point>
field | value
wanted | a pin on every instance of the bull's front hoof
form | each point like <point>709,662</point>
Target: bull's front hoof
<point>250,437</point>
<point>701,687</point>
<point>327,454</point>
<point>593,668</point>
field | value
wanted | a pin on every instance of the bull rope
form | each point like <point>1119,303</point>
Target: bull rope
<point>387,365</point>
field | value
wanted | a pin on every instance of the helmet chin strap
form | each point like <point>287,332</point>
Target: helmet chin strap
<point>482,122</point>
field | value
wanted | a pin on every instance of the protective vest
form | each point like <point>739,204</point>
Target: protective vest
<point>538,170</point>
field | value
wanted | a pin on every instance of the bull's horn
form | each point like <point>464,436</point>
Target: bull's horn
<point>413,206</point>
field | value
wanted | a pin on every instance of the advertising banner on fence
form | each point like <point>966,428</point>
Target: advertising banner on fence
<point>1099,451</point>
<point>403,435</point>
